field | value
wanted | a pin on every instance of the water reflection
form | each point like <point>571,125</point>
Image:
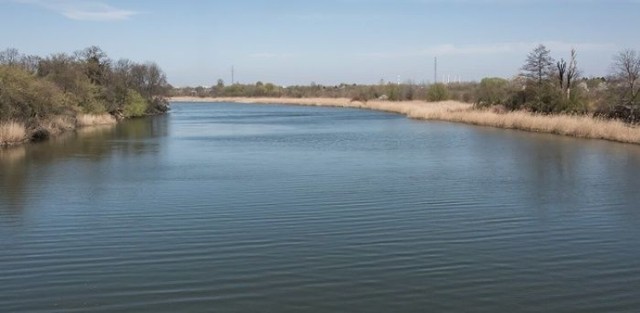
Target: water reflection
<point>292,208</point>
<point>555,175</point>
<point>12,175</point>
<point>29,166</point>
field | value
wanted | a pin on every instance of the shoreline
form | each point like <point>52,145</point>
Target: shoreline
<point>579,126</point>
<point>14,133</point>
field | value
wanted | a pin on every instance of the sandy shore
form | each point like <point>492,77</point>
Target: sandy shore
<point>453,111</point>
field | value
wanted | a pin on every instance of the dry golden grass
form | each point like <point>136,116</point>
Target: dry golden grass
<point>12,133</point>
<point>84,120</point>
<point>453,111</point>
<point>57,124</point>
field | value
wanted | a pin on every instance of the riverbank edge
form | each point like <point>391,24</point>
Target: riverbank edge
<point>15,133</point>
<point>580,126</point>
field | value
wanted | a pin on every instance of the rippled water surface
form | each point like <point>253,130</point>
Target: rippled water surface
<point>271,208</point>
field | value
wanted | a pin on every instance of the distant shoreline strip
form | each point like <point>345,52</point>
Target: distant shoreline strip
<point>580,126</point>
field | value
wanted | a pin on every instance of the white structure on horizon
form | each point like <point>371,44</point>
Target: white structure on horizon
<point>452,79</point>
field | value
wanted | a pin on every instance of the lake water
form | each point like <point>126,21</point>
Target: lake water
<point>273,208</point>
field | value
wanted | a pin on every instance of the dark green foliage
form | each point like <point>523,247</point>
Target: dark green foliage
<point>545,98</point>
<point>26,98</point>
<point>492,91</point>
<point>96,65</point>
<point>393,92</point>
<point>438,92</point>
<point>543,91</point>
<point>539,65</point>
<point>135,105</point>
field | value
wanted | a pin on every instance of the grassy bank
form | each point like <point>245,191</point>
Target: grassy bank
<point>581,126</point>
<point>41,97</point>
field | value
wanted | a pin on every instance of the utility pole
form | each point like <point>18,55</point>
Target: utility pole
<point>233,73</point>
<point>435,70</point>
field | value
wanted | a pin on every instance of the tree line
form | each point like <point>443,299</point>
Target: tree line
<point>405,91</point>
<point>34,88</point>
<point>544,85</point>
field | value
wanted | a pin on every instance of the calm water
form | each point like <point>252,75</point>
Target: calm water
<point>267,208</point>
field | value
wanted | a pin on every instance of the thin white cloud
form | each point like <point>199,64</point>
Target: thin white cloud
<point>83,10</point>
<point>497,48</point>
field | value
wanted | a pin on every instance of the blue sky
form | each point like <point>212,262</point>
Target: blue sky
<point>328,42</point>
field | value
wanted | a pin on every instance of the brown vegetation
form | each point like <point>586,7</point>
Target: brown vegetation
<point>12,132</point>
<point>84,120</point>
<point>543,86</point>
<point>581,126</point>
<point>547,96</point>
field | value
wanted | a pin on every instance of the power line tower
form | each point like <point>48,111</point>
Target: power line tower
<point>435,70</point>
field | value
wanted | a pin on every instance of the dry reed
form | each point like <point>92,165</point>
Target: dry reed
<point>84,120</point>
<point>12,132</point>
<point>568,125</point>
<point>57,124</point>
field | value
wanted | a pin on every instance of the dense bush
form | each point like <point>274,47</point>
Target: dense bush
<point>438,92</point>
<point>23,97</point>
<point>492,91</point>
<point>88,81</point>
<point>135,105</point>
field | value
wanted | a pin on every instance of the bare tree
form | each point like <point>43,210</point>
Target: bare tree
<point>572,73</point>
<point>567,73</point>
<point>64,71</point>
<point>561,67</point>
<point>30,63</point>
<point>9,57</point>
<point>626,67</point>
<point>539,64</point>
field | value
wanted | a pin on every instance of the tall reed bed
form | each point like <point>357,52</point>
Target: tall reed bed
<point>12,132</point>
<point>84,120</point>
